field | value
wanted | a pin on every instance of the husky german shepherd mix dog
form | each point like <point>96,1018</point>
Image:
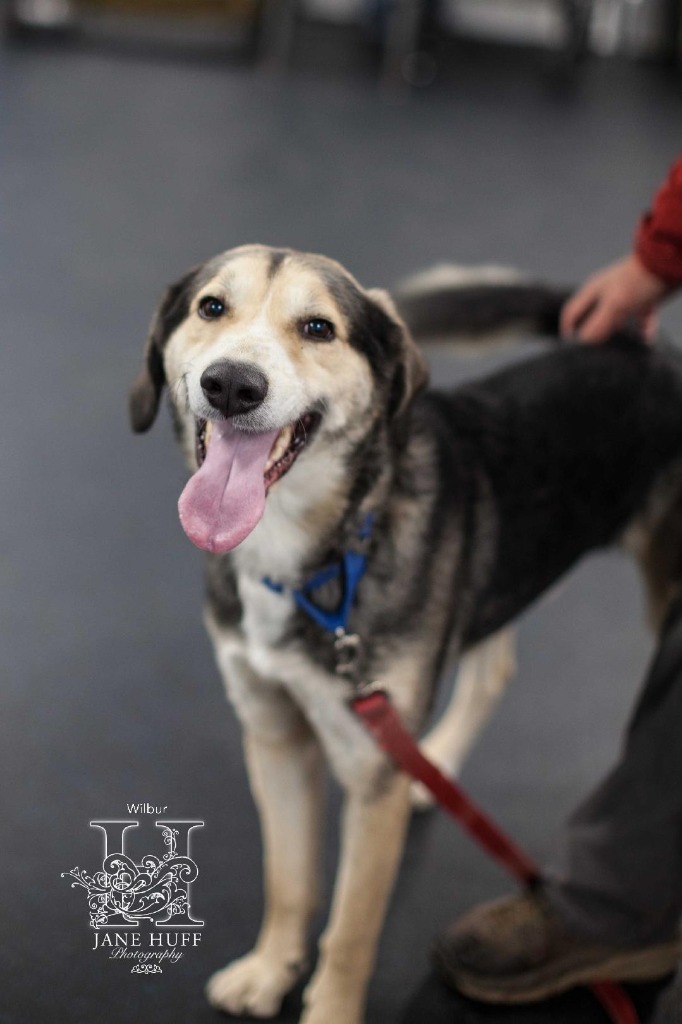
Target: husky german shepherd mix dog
<point>300,404</point>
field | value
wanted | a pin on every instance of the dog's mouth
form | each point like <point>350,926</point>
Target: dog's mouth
<point>288,445</point>
<point>225,498</point>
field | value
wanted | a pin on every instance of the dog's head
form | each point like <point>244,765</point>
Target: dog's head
<point>269,357</point>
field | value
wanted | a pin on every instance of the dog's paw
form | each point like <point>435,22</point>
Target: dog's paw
<point>255,985</point>
<point>338,1013</point>
<point>332,998</point>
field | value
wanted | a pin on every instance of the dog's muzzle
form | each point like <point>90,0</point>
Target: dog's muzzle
<point>237,464</point>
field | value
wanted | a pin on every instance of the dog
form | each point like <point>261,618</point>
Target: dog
<point>299,400</point>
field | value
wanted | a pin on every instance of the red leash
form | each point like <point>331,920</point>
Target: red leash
<point>378,714</point>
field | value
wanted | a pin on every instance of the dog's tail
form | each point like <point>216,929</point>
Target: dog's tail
<point>472,305</point>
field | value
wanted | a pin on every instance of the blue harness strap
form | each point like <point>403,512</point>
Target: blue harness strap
<point>350,569</point>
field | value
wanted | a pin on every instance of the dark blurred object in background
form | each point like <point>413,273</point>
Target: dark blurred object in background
<point>229,27</point>
<point>404,41</point>
<point>43,16</point>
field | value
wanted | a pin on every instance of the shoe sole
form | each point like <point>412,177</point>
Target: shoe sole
<point>634,966</point>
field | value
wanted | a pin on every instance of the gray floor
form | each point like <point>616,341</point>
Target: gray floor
<point>116,175</point>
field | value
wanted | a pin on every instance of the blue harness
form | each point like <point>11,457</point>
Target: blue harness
<point>350,569</point>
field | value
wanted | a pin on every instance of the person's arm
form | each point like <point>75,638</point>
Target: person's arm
<point>658,243</point>
<point>633,287</point>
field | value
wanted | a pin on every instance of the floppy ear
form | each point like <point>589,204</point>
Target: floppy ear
<point>145,392</point>
<point>411,373</point>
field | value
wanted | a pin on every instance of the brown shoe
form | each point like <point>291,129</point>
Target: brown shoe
<point>517,950</point>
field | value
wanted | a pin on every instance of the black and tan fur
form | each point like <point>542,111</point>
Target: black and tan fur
<point>482,497</point>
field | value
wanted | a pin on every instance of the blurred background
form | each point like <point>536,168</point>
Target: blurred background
<point>137,138</point>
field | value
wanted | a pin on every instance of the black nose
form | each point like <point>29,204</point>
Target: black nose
<point>233,388</point>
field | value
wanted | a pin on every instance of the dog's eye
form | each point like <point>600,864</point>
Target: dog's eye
<point>319,329</point>
<point>211,308</point>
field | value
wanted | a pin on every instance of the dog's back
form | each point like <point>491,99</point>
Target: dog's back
<point>570,446</point>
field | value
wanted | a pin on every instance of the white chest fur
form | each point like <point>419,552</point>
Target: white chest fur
<point>265,617</point>
<point>259,670</point>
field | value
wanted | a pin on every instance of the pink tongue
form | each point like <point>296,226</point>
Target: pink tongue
<point>225,498</point>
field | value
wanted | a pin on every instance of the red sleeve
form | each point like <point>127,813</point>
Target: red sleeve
<point>658,242</point>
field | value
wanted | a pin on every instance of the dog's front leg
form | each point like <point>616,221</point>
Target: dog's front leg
<point>484,672</point>
<point>373,832</point>
<point>283,758</point>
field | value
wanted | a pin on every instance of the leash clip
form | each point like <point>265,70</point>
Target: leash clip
<point>347,649</point>
<point>363,690</point>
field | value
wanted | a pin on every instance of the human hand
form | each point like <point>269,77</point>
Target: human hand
<point>610,298</point>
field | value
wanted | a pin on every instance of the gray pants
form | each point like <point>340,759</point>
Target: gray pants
<point>619,879</point>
